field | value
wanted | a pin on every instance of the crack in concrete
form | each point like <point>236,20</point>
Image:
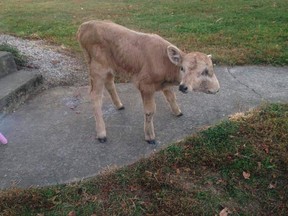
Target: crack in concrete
<point>247,86</point>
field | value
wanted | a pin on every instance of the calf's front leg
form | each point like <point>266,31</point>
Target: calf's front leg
<point>149,110</point>
<point>171,99</point>
<point>110,86</point>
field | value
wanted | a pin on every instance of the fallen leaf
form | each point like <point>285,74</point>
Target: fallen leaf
<point>123,205</point>
<point>219,181</point>
<point>272,185</point>
<point>187,169</point>
<point>229,157</point>
<point>209,183</point>
<point>259,165</point>
<point>148,173</point>
<point>55,200</point>
<point>133,188</point>
<point>265,148</point>
<point>246,175</point>
<point>71,213</point>
<point>224,212</point>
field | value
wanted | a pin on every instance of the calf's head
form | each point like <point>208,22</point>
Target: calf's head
<point>196,69</point>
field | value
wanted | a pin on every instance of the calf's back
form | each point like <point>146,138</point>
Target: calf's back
<point>125,50</point>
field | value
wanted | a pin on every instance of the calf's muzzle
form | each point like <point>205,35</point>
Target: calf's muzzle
<point>183,88</point>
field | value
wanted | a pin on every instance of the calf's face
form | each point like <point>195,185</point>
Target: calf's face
<point>196,69</point>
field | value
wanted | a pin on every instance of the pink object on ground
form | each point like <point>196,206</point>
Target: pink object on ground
<point>3,139</point>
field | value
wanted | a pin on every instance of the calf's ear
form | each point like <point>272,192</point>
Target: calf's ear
<point>174,55</point>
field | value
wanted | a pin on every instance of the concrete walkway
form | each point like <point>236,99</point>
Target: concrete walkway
<point>52,137</point>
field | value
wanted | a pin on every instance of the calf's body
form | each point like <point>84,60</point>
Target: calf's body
<point>154,63</point>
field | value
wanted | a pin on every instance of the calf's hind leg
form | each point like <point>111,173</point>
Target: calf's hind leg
<point>97,80</point>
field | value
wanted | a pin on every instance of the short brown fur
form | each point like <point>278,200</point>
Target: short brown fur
<point>153,62</point>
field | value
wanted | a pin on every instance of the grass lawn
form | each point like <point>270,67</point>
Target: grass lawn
<point>235,32</point>
<point>240,164</point>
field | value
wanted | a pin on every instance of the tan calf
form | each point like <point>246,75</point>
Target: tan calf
<point>154,64</point>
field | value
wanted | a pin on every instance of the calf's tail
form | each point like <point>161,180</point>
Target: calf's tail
<point>80,36</point>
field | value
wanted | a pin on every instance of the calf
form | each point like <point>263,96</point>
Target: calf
<point>154,65</point>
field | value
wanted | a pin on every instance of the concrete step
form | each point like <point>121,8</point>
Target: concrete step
<point>16,87</point>
<point>7,64</point>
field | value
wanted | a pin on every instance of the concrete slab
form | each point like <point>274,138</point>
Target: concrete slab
<point>16,88</point>
<point>271,83</point>
<point>7,64</point>
<point>52,137</point>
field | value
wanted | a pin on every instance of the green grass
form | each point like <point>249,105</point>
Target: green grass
<point>198,176</point>
<point>235,32</point>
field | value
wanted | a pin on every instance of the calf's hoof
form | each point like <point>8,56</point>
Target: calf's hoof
<point>121,108</point>
<point>102,140</point>
<point>180,114</point>
<point>151,142</point>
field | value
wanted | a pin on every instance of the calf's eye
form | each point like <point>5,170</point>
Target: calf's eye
<point>182,69</point>
<point>205,72</point>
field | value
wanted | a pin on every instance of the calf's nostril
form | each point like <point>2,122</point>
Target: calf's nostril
<point>213,92</point>
<point>183,88</point>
